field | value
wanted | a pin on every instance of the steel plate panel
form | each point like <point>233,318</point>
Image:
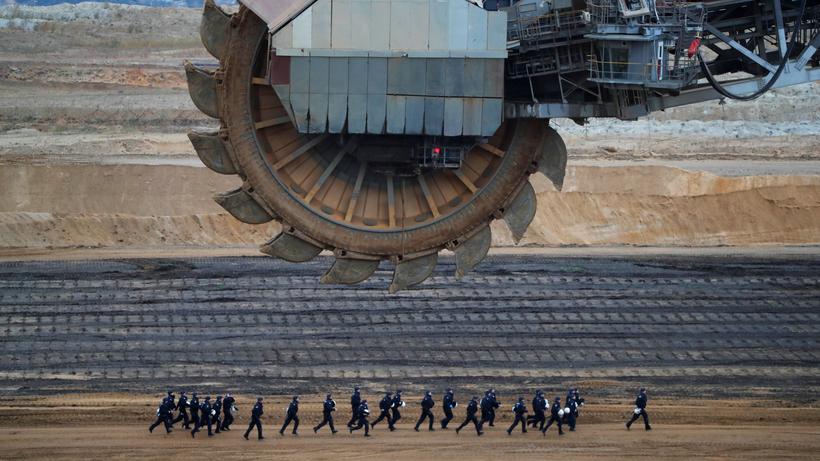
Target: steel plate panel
<point>336,112</point>
<point>357,113</point>
<point>472,116</point>
<point>376,108</point>
<point>299,74</point>
<point>414,115</point>
<point>396,106</point>
<point>433,116</point>
<point>453,116</point>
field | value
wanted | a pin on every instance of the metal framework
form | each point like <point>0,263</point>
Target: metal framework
<point>627,58</point>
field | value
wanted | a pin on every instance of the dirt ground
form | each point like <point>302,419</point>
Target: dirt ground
<point>95,164</point>
<point>114,426</point>
<point>94,154</point>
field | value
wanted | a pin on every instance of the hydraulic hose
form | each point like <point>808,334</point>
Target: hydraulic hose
<point>778,72</point>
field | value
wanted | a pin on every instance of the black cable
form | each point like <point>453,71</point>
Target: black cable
<point>779,71</point>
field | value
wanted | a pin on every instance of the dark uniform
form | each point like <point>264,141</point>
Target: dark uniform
<point>427,405</point>
<point>640,404</point>
<point>228,407</point>
<point>520,411</point>
<point>355,402</point>
<point>256,419</point>
<point>578,400</point>
<point>328,407</point>
<point>447,406</point>
<point>472,409</point>
<point>182,408</point>
<point>363,413</point>
<point>292,415</point>
<point>571,415</point>
<point>164,414</point>
<point>216,419</point>
<point>194,405</point>
<point>384,410</point>
<point>205,415</point>
<point>488,406</point>
<point>396,407</point>
<point>539,407</point>
<point>555,417</point>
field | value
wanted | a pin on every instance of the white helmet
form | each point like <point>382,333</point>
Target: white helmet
<point>560,412</point>
<point>566,410</point>
<point>637,411</point>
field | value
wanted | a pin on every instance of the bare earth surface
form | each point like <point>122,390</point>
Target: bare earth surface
<point>135,281</point>
<point>591,442</point>
<point>93,154</point>
<point>728,346</point>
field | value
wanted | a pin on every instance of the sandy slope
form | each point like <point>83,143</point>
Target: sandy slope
<point>139,205</point>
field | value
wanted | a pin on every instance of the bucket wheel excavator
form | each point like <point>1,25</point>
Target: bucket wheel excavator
<point>393,129</point>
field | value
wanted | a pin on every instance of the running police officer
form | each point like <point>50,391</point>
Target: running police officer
<point>640,410</point>
<point>487,409</point>
<point>328,407</point>
<point>427,404</point>
<point>447,406</point>
<point>164,414</point>
<point>363,413</point>
<point>539,406</point>
<point>182,407</point>
<point>520,411</point>
<point>571,412</point>
<point>256,419</point>
<point>292,415</point>
<point>355,402</point>
<point>556,413</point>
<point>228,409</point>
<point>472,409</point>
<point>384,410</point>
<point>216,420</point>
<point>194,405</point>
<point>205,415</point>
<point>395,406</point>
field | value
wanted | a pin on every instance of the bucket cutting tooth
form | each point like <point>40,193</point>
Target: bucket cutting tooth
<point>520,212</point>
<point>349,271</point>
<point>472,251</point>
<point>291,248</point>
<point>552,158</point>
<point>212,151</point>
<point>215,29</point>
<point>243,207</point>
<point>202,88</point>
<point>412,272</point>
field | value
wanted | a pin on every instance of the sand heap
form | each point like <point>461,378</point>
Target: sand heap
<point>141,206</point>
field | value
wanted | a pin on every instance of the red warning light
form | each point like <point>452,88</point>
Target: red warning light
<point>436,150</point>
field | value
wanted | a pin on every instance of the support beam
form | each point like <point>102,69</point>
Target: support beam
<point>740,48</point>
<point>428,197</point>
<point>808,52</point>
<point>299,152</point>
<point>354,198</point>
<point>781,30</point>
